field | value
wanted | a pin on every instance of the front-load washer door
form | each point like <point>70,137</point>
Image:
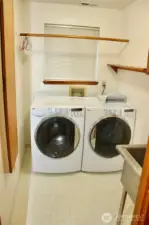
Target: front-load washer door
<point>108,133</point>
<point>57,137</point>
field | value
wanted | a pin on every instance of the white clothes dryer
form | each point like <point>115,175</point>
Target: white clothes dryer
<point>106,126</point>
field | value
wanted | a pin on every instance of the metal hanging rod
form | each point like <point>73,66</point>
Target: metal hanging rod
<point>73,37</point>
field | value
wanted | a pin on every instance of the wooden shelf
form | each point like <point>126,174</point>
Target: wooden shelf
<point>74,37</point>
<point>130,68</point>
<point>68,82</point>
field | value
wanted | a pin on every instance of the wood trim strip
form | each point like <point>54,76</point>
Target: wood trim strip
<point>3,138</point>
<point>8,67</point>
<point>142,201</point>
<point>130,68</point>
<point>74,37</point>
<point>147,71</point>
<point>67,82</point>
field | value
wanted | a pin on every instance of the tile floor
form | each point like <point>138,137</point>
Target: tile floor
<point>72,199</point>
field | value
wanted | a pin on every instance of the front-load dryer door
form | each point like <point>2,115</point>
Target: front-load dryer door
<point>108,133</point>
<point>57,137</point>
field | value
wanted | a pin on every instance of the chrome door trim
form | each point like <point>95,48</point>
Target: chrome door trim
<point>60,116</point>
<point>102,118</point>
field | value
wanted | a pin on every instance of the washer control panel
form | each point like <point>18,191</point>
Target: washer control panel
<point>48,111</point>
<point>73,112</point>
<point>76,112</point>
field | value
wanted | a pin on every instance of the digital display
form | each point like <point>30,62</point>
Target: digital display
<point>129,110</point>
<point>77,110</point>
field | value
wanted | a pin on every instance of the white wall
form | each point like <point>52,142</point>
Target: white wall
<point>109,22</point>
<point>8,182</point>
<point>134,84</point>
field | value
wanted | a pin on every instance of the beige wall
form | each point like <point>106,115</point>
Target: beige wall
<point>136,85</point>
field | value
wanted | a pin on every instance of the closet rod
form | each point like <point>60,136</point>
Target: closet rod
<point>73,36</point>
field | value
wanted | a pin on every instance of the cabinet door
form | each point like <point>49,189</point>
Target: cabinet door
<point>4,167</point>
<point>8,79</point>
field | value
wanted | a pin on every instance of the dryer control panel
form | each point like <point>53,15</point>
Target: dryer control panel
<point>112,112</point>
<point>129,112</point>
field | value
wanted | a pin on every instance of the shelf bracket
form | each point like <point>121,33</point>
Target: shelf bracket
<point>114,68</point>
<point>129,68</point>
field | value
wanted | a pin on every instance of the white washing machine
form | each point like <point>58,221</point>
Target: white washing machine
<point>57,132</point>
<point>106,126</point>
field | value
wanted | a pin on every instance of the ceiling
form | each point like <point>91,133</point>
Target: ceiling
<point>117,4</point>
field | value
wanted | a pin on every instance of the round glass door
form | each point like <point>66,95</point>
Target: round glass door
<point>108,133</point>
<point>57,137</point>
